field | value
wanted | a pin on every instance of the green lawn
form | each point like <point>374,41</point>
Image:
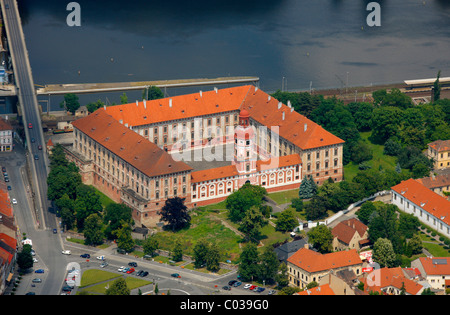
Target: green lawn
<point>93,276</point>
<point>282,197</point>
<point>379,159</point>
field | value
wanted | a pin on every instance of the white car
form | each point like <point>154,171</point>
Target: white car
<point>66,252</point>
<point>101,257</point>
<point>14,201</point>
<point>121,269</point>
<point>247,285</point>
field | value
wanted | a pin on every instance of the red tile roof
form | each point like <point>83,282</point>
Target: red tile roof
<point>230,170</point>
<point>389,277</point>
<point>254,100</point>
<point>436,265</point>
<point>320,290</point>
<point>128,145</point>
<point>435,181</point>
<point>440,145</point>
<point>345,230</point>
<point>5,125</point>
<point>312,261</point>
<point>422,197</point>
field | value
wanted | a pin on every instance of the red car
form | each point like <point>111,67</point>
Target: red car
<point>252,287</point>
<point>30,126</point>
<point>131,270</point>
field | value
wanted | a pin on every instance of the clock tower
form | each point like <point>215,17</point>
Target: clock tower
<point>245,154</point>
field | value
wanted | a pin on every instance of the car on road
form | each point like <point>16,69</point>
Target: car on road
<point>39,147</point>
<point>14,201</point>
<point>30,126</point>
<point>103,264</point>
<point>30,293</point>
<point>130,270</point>
<point>33,140</point>
<point>35,260</point>
<point>36,280</point>
<point>65,252</point>
<point>175,275</point>
<point>6,179</point>
<point>121,269</point>
<point>39,271</point>
<point>55,231</point>
<point>132,264</point>
<point>144,274</point>
<point>85,256</point>
<point>3,169</point>
<point>36,157</point>
<point>227,288</point>
<point>101,257</point>
<point>9,188</point>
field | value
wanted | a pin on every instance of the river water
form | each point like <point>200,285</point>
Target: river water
<point>289,44</point>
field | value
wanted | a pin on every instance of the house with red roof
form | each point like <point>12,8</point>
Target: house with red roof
<point>436,270</point>
<point>390,281</point>
<point>350,234</point>
<point>306,266</point>
<point>429,207</point>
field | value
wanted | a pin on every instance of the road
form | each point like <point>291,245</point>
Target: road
<point>38,227</point>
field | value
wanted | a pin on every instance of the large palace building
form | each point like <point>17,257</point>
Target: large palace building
<point>200,147</point>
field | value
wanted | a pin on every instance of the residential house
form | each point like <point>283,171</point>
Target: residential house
<point>439,151</point>
<point>436,270</point>
<point>390,281</point>
<point>350,234</point>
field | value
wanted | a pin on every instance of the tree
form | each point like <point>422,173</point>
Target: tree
<point>200,253</point>
<point>177,252</point>
<point>240,201</point>
<point>175,213</point>
<point>393,98</point>
<point>308,188</point>
<point>366,212</point>
<point>24,258</point>
<point>70,103</point>
<point>93,234</point>
<point>415,244</point>
<point>286,221</point>
<point>385,123</point>
<point>124,239</point>
<point>268,266</point>
<point>321,238</point>
<point>437,88</point>
<point>282,277</point>
<point>251,224</point>
<point>213,258</point>
<point>392,147</point>
<point>297,204</point>
<point>93,106</point>
<point>248,266</point>
<point>408,224</point>
<point>152,93</point>
<point>150,245</point>
<point>123,98</point>
<point>118,287</point>
<point>316,208</point>
<point>115,214</point>
<point>383,253</point>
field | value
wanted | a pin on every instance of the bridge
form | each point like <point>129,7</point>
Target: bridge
<point>28,107</point>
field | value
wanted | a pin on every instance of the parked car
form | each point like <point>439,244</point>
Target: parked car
<point>9,188</point>
<point>125,269</point>
<point>104,264</point>
<point>85,256</point>
<point>259,289</point>
<point>227,288</point>
<point>231,282</point>
<point>101,257</point>
<point>121,269</point>
<point>14,201</point>
<point>130,270</point>
<point>144,274</point>
<point>67,288</point>
<point>252,287</point>
<point>66,252</point>
<point>237,283</point>
<point>39,271</point>
<point>271,292</point>
<point>36,280</point>
<point>247,286</point>
<point>132,264</point>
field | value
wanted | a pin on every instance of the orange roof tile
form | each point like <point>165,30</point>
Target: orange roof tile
<point>345,230</point>
<point>312,261</point>
<point>320,290</point>
<point>435,181</point>
<point>179,107</point>
<point>128,145</point>
<point>432,267</point>
<point>390,277</point>
<point>440,145</point>
<point>422,197</point>
<point>249,98</point>
<point>230,170</point>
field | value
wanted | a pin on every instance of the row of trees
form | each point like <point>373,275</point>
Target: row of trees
<point>80,207</point>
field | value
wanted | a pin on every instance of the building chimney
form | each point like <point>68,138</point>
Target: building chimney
<point>137,103</point>
<point>145,103</point>
<point>306,127</point>
<point>201,93</point>
<point>289,103</point>
<point>284,114</point>
<point>170,102</point>
<point>279,105</point>
<point>216,89</point>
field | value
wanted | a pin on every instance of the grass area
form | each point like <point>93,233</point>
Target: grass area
<point>379,159</point>
<point>204,224</point>
<point>105,200</point>
<point>96,281</point>
<point>93,276</point>
<point>434,246</point>
<point>282,197</point>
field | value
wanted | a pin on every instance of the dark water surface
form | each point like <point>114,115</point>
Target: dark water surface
<point>326,42</point>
